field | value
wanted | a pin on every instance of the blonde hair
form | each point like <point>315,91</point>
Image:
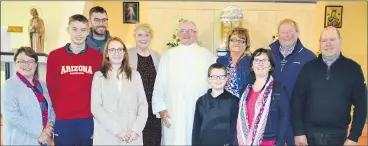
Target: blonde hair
<point>144,26</point>
<point>289,21</point>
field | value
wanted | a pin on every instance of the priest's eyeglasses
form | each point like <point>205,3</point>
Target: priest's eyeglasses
<point>118,50</point>
<point>25,63</point>
<point>215,77</point>
<point>240,41</point>
<point>187,31</point>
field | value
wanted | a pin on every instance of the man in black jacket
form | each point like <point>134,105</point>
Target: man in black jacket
<point>325,90</point>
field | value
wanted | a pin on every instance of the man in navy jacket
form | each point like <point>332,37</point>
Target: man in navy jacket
<point>289,56</point>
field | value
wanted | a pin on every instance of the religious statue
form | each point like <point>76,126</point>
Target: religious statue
<point>231,17</point>
<point>36,31</point>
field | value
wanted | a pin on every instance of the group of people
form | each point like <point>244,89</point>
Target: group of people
<point>99,92</point>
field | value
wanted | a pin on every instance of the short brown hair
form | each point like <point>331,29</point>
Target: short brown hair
<point>215,66</point>
<point>289,21</point>
<point>78,17</point>
<point>106,65</point>
<point>97,9</point>
<point>28,51</point>
<point>242,33</point>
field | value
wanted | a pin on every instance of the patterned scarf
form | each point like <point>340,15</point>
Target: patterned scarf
<point>38,91</point>
<point>254,134</point>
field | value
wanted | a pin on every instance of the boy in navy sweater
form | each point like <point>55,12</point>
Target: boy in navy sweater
<point>69,77</point>
<point>216,112</point>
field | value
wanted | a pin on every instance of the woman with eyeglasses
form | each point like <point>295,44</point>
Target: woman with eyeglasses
<point>237,61</point>
<point>26,106</point>
<point>118,103</point>
<point>264,106</point>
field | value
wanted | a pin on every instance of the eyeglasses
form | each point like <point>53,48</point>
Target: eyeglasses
<point>240,41</point>
<point>118,50</point>
<point>258,61</point>
<point>214,77</point>
<point>187,31</point>
<point>25,63</point>
<point>104,20</point>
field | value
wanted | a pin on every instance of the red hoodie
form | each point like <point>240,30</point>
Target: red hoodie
<point>69,80</point>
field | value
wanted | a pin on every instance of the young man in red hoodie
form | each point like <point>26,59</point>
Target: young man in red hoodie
<point>69,77</point>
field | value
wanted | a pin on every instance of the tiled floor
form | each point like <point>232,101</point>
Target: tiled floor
<point>362,140</point>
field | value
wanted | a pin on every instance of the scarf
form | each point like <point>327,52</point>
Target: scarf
<point>254,134</point>
<point>38,91</point>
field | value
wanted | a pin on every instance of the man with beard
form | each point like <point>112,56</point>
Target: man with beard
<point>98,34</point>
<point>69,75</point>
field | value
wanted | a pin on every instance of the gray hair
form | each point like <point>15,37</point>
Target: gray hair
<point>186,21</point>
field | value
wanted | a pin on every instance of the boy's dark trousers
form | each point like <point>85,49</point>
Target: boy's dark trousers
<point>74,132</point>
<point>326,139</point>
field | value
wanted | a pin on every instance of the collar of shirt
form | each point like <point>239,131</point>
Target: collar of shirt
<point>290,50</point>
<point>328,62</point>
<point>69,50</point>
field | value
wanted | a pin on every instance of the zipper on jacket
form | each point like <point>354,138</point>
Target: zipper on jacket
<point>328,73</point>
<point>283,61</point>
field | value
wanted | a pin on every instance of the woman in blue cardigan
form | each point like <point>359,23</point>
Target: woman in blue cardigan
<point>237,61</point>
<point>26,106</point>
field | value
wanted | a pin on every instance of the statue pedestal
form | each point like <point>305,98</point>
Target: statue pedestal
<point>221,52</point>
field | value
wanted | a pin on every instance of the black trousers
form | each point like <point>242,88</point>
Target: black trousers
<point>326,139</point>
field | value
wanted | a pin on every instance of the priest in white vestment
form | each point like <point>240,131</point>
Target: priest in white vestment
<point>181,79</point>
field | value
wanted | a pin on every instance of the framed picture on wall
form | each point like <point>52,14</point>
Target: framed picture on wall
<point>131,12</point>
<point>333,16</point>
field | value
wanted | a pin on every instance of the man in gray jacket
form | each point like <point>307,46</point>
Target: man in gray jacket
<point>99,33</point>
